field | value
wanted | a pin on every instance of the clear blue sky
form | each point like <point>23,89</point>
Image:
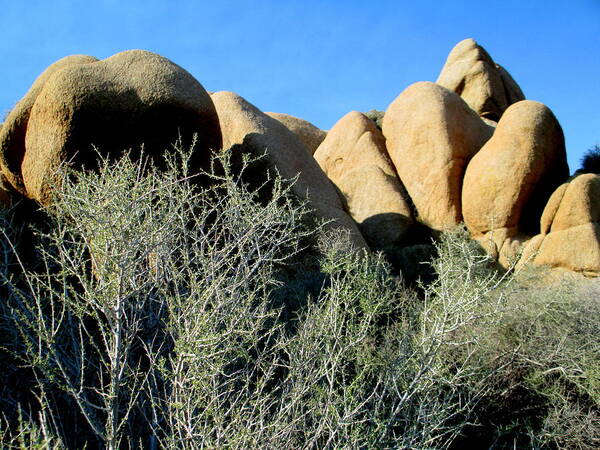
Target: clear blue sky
<point>321,59</point>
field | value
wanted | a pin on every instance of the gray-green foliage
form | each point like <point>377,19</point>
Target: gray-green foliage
<point>158,317</point>
<point>531,349</point>
<point>547,347</point>
<point>376,116</point>
<point>29,434</point>
<point>124,246</point>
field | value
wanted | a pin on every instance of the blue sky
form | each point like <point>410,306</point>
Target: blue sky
<point>321,59</point>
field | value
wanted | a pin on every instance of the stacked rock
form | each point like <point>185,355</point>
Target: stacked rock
<point>467,149</point>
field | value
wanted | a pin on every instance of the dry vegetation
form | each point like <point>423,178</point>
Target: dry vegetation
<point>156,314</point>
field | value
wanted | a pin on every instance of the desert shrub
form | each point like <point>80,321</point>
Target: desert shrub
<point>162,314</point>
<point>28,434</point>
<point>590,161</point>
<point>531,351</point>
<point>376,116</point>
<point>362,367</point>
<point>124,244</point>
<point>157,317</point>
<point>553,334</point>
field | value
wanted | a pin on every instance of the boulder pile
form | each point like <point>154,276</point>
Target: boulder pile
<point>247,129</point>
<point>431,135</point>
<point>468,148</point>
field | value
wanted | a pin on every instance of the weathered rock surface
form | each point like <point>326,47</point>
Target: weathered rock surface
<point>12,134</point>
<point>575,249</point>
<point>508,183</point>
<point>431,136</point>
<point>131,99</point>
<point>247,129</point>
<point>487,87</point>
<point>354,157</point>
<point>310,135</point>
<point>468,148</point>
<point>570,237</point>
<point>512,90</point>
<point>579,204</point>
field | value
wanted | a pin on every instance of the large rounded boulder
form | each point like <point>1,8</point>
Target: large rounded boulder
<point>84,106</point>
<point>12,134</point>
<point>246,129</point>
<point>431,136</point>
<point>570,228</point>
<point>487,87</point>
<point>310,135</point>
<point>508,183</point>
<point>354,157</point>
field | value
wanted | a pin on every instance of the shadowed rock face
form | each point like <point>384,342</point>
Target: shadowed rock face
<point>247,129</point>
<point>131,99</point>
<point>487,87</point>
<point>6,197</point>
<point>310,135</point>
<point>354,157</point>
<point>431,135</point>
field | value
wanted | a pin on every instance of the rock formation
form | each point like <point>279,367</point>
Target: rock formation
<point>131,99</point>
<point>570,228</point>
<point>247,129</point>
<point>12,134</point>
<point>467,149</point>
<point>310,135</point>
<point>354,157</point>
<point>487,87</point>
<point>431,135</point>
<point>509,181</point>
<point>6,197</point>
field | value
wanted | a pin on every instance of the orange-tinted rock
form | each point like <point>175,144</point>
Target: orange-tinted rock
<point>570,236</point>
<point>12,134</point>
<point>431,136</point>
<point>487,87</point>
<point>504,246</point>
<point>131,99</point>
<point>512,90</point>
<point>551,208</point>
<point>247,129</point>
<point>576,249</point>
<point>354,157</point>
<point>508,183</point>
<point>580,203</point>
<point>310,135</point>
<point>6,197</point>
